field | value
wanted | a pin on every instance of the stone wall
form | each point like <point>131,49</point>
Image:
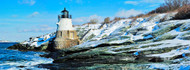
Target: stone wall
<point>66,39</point>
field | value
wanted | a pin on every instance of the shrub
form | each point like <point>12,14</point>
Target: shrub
<point>131,17</point>
<point>118,18</point>
<point>140,15</point>
<point>183,12</point>
<point>170,5</point>
<point>107,20</point>
<point>93,21</point>
<point>161,9</point>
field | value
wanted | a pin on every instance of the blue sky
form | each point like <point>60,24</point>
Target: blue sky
<point>21,19</point>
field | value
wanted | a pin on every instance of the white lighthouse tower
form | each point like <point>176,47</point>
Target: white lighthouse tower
<point>66,36</point>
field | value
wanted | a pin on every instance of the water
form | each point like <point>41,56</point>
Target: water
<point>18,60</point>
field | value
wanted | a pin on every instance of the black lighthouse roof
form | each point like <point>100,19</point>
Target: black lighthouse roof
<point>64,10</point>
<point>65,14</point>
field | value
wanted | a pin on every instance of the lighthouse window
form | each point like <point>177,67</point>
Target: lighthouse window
<point>65,14</point>
<point>61,34</point>
<point>71,35</point>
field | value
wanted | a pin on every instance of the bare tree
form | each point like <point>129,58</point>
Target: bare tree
<point>175,4</point>
<point>93,21</point>
<point>183,12</point>
<point>107,20</point>
<point>186,2</point>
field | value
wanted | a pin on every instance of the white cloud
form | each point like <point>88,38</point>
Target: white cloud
<point>131,2</point>
<point>30,2</point>
<point>79,20</point>
<point>41,28</point>
<point>34,14</point>
<point>87,19</point>
<point>154,5</point>
<point>76,1</point>
<point>152,1</point>
<point>128,13</point>
<point>144,1</point>
<point>5,24</point>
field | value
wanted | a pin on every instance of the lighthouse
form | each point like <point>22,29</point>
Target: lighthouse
<point>66,36</point>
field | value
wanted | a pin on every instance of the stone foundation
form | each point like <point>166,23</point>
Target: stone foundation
<point>65,43</point>
<point>66,39</point>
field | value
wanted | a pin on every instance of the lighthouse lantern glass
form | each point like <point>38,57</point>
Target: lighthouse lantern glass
<point>65,14</point>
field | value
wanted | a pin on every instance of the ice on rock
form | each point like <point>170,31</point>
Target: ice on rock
<point>187,48</point>
<point>147,37</point>
<point>177,29</point>
<point>184,68</point>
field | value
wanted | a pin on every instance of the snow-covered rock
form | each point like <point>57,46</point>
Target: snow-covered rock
<point>38,41</point>
<point>150,37</point>
<point>143,40</point>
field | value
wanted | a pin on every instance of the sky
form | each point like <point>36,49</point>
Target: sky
<point>21,19</point>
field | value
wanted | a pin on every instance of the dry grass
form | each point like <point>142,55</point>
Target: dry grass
<point>183,12</point>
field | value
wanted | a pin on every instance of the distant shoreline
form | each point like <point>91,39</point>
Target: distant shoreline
<point>7,42</point>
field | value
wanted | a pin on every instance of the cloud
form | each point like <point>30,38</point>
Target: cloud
<point>34,14</point>
<point>29,2</point>
<point>144,1</point>
<point>154,5</point>
<point>5,24</point>
<point>131,2</point>
<point>76,1</point>
<point>152,1</point>
<point>40,28</point>
<point>87,19</point>
<point>128,13</point>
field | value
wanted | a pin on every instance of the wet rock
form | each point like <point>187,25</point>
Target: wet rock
<point>23,47</point>
<point>21,66</point>
<point>155,59</point>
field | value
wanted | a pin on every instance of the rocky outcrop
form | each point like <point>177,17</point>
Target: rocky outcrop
<point>144,43</point>
<point>136,44</point>
<point>22,47</point>
<point>41,43</point>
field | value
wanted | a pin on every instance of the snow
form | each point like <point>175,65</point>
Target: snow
<point>158,66</point>
<point>138,37</point>
<point>171,54</point>
<point>139,30</point>
<point>168,44</point>
<point>119,41</point>
<point>155,28</point>
<point>142,28</point>
<point>38,41</point>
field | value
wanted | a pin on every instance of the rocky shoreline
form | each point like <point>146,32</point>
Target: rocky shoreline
<point>96,58</point>
<point>90,58</point>
<point>138,44</point>
<point>23,47</point>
